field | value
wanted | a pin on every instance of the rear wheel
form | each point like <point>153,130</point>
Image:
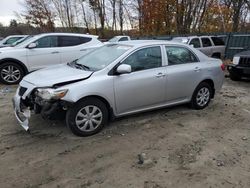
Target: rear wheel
<point>201,96</point>
<point>11,73</point>
<point>87,117</point>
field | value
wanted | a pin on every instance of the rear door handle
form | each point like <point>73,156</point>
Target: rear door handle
<point>83,50</point>
<point>160,74</point>
<point>55,52</point>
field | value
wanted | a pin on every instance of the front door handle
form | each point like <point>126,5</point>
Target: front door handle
<point>197,69</point>
<point>160,74</point>
<point>56,52</point>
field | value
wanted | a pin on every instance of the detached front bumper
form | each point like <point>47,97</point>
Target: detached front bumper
<point>22,113</point>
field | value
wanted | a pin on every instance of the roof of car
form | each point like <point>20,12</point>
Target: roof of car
<point>70,34</point>
<point>121,36</point>
<point>147,42</point>
<point>16,36</point>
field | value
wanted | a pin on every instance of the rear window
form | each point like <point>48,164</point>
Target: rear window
<point>65,41</point>
<point>217,41</point>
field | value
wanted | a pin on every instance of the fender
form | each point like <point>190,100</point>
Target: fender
<point>26,71</point>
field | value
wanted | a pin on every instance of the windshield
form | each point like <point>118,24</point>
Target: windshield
<point>21,40</point>
<point>114,39</point>
<point>102,57</point>
<point>27,41</point>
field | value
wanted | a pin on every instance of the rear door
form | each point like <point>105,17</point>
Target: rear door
<point>46,53</point>
<point>184,72</point>
<point>73,47</point>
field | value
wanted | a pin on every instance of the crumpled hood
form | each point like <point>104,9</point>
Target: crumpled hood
<point>55,75</point>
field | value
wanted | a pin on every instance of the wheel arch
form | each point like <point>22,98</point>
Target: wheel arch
<point>217,55</point>
<point>211,83</point>
<point>5,60</point>
<point>105,101</point>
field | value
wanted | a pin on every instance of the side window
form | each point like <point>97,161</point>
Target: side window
<point>217,41</point>
<point>84,40</point>
<point>47,42</point>
<point>206,42</point>
<point>179,55</point>
<point>195,42</point>
<point>124,39</point>
<point>147,58</point>
<point>66,41</point>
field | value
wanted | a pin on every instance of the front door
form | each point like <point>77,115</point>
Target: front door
<point>145,86</point>
<point>45,54</point>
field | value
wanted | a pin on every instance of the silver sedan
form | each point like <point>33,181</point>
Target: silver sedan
<point>119,79</point>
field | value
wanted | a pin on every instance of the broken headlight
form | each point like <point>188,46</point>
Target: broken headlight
<point>51,94</point>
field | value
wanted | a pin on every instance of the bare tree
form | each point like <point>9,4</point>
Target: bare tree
<point>39,13</point>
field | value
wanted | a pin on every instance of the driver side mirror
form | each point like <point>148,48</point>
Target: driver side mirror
<point>32,45</point>
<point>124,69</point>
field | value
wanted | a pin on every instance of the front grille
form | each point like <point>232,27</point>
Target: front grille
<point>22,90</point>
<point>244,61</point>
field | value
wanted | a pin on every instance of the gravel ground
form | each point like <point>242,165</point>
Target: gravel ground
<point>172,147</point>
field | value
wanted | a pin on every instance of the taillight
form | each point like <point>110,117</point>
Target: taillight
<point>223,67</point>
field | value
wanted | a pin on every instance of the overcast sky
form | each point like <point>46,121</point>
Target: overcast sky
<point>7,8</point>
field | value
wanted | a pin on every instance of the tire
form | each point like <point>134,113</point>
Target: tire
<point>11,73</point>
<point>85,124</point>
<point>203,92</point>
<point>234,77</point>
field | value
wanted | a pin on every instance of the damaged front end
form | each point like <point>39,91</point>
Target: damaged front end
<point>44,101</point>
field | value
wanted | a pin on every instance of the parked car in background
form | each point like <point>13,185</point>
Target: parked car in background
<point>240,67</point>
<point>212,46</point>
<point>120,38</point>
<point>8,41</point>
<point>42,51</point>
<point>119,79</point>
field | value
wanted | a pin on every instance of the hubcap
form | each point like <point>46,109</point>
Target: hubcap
<point>89,118</point>
<point>10,73</point>
<point>203,96</point>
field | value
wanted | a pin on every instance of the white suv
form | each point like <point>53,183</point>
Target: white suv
<point>42,51</point>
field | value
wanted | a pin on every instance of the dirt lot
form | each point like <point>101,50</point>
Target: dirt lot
<point>183,148</point>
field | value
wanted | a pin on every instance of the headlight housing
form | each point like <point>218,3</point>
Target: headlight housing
<point>51,94</point>
<point>236,60</point>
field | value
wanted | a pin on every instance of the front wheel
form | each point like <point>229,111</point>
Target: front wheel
<point>11,73</point>
<point>87,117</point>
<point>202,96</point>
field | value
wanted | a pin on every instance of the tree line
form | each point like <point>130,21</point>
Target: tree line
<point>138,17</point>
